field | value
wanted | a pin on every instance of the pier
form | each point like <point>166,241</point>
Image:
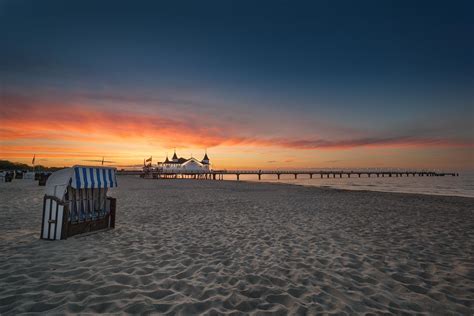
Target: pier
<point>219,174</point>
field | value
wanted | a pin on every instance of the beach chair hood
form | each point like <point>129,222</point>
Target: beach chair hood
<point>80,177</point>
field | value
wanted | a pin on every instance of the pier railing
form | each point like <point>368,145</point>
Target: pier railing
<point>219,174</point>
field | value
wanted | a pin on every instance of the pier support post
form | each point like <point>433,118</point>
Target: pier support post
<point>259,176</point>
<point>359,175</point>
<point>311,176</point>
<point>238,177</point>
<point>296,176</point>
<point>278,175</point>
<point>321,175</point>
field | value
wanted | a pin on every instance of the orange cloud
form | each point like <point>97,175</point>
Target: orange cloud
<point>62,129</point>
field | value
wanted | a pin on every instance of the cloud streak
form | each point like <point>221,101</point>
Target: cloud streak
<point>22,119</point>
<point>60,130</point>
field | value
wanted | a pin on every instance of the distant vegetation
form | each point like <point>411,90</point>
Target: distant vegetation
<point>8,165</point>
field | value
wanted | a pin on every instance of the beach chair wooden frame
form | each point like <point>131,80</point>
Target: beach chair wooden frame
<point>76,202</point>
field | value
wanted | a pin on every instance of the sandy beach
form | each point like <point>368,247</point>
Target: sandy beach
<point>225,247</point>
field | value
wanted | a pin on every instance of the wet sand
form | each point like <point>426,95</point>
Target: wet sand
<point>216,247</point>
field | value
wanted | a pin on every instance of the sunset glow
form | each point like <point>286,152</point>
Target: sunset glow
<point>72,132</point>
<point>89,99</point>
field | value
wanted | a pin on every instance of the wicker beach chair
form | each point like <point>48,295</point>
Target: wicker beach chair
<point>6,176</point>
<point>76,202</point>
<point>30,175</point>
<point>42,178</point>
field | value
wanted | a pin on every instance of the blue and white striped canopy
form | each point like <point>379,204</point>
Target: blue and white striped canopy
<point>93,177</point>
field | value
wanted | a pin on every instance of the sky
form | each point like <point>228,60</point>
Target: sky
<point>258,84</point>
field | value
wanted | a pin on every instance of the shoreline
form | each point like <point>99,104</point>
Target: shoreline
<point>263,181</point>
<point>358,190</point>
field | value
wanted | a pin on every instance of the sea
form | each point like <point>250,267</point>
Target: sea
<point>462,185</point>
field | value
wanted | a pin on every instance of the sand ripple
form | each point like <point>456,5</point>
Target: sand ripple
<point>203,247</point>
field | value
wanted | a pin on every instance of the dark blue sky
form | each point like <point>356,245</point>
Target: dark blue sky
<point>388,67</point>
<point>305,48</point>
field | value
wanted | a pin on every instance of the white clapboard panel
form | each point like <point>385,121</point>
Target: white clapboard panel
<point>52,220</point>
